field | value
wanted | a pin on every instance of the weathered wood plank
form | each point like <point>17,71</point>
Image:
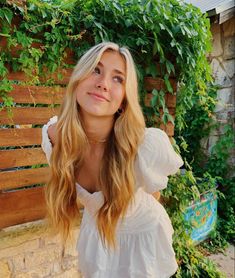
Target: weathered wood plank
<point>37,94</point>
<point>21,76</point>
<point>19,178</point>
<point>20,137</point>
<point>22,206</point>
<point>28,115</point>
<point>21,157</point>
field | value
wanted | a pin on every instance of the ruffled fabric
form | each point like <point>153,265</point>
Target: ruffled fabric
<point>144,244</point>
<point>156,160</point>
<point>46,143</point>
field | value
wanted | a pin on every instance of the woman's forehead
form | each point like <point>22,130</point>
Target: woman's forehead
<point>114,61</point>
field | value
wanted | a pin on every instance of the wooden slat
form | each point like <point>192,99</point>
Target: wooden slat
<point>21,76</point>
<point>21,157</point>
<point>21,206</point>
<point>20,137</point>
<point>19,178</point>
<point>16,50</point>
<point>36,94</point>
<point>158,83</point>
<point>28,115</point>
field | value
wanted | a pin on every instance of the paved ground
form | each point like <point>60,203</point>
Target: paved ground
<point>226,262</point>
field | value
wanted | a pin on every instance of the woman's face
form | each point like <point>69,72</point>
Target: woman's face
<point>102,92</point>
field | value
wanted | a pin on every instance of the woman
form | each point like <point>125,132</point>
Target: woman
<point>104,155</point>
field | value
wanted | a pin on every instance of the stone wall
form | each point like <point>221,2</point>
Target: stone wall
<point>222,61</point>
<point>29,251</point>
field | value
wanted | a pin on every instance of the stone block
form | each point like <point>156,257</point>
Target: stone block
<point>22,275</point>
<point>52,239</point>
<point>41,256</point>
<point>211,142</point>
<point>203,143</point>
<point>37,272</point>
<point>229,66</point>
<point>219,74</point>
<point>4,269</point>
<point>19,249</point>
<point>223,99</point>
<point>229,27</point>
<point>19,263</point>
<point>69,262</point>
<point>217,49</point>
<point>56,268</point>
<point>72,273</point>
<point>229,48</point>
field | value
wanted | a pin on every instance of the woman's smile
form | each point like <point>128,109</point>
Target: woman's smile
<point>98,97</point>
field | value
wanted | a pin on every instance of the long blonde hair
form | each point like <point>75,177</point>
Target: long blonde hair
<point>117,177</point>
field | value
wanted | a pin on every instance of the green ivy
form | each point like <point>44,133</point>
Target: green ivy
<point>169,32</point>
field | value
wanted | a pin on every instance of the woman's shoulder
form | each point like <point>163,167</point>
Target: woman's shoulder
<point>153,137</point>
<point>49,136</point>
<point>50,129</point>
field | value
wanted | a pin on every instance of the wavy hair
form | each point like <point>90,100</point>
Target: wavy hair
<point>117,176</point>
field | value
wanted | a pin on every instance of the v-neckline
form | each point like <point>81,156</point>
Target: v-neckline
<point>82,188</point>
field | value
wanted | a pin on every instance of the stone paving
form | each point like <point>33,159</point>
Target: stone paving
<point>226,262</point>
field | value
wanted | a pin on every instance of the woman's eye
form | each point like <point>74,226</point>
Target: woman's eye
<point>118,79</point>
<point>97,70</point>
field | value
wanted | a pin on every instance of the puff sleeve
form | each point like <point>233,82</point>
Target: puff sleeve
<point>156,160</point>
<point>46,143</point>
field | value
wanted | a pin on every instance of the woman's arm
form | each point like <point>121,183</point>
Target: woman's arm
<point>52,133</point>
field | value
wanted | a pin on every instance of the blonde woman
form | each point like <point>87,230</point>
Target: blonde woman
<point>101,153</point>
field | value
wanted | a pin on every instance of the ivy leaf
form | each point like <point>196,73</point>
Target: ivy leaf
<point>154,101</point>
<point>168,84</point>
<point>7,14</point>
<point>97,24</point>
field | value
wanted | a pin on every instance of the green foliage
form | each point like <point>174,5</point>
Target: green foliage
<point>181,190</point>
<point>147,27</point>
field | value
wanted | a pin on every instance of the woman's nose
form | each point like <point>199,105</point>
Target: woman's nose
<point>102,83</point>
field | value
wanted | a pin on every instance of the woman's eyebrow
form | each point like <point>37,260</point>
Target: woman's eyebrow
<point>115,70</point>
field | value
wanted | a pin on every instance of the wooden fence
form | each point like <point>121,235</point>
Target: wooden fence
<point>23,166</point>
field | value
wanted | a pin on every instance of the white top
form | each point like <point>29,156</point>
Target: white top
<point>144,236</point>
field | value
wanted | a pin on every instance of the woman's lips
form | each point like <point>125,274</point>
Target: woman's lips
<point>98,97</point>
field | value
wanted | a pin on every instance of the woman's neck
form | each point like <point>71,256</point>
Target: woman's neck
<point>98,128</point>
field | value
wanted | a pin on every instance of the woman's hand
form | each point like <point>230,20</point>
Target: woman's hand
<point>157,195</point>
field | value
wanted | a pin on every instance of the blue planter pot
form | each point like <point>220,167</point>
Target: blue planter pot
<point>202,216</point>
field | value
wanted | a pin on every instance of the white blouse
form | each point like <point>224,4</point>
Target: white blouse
<point>144,236</point>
